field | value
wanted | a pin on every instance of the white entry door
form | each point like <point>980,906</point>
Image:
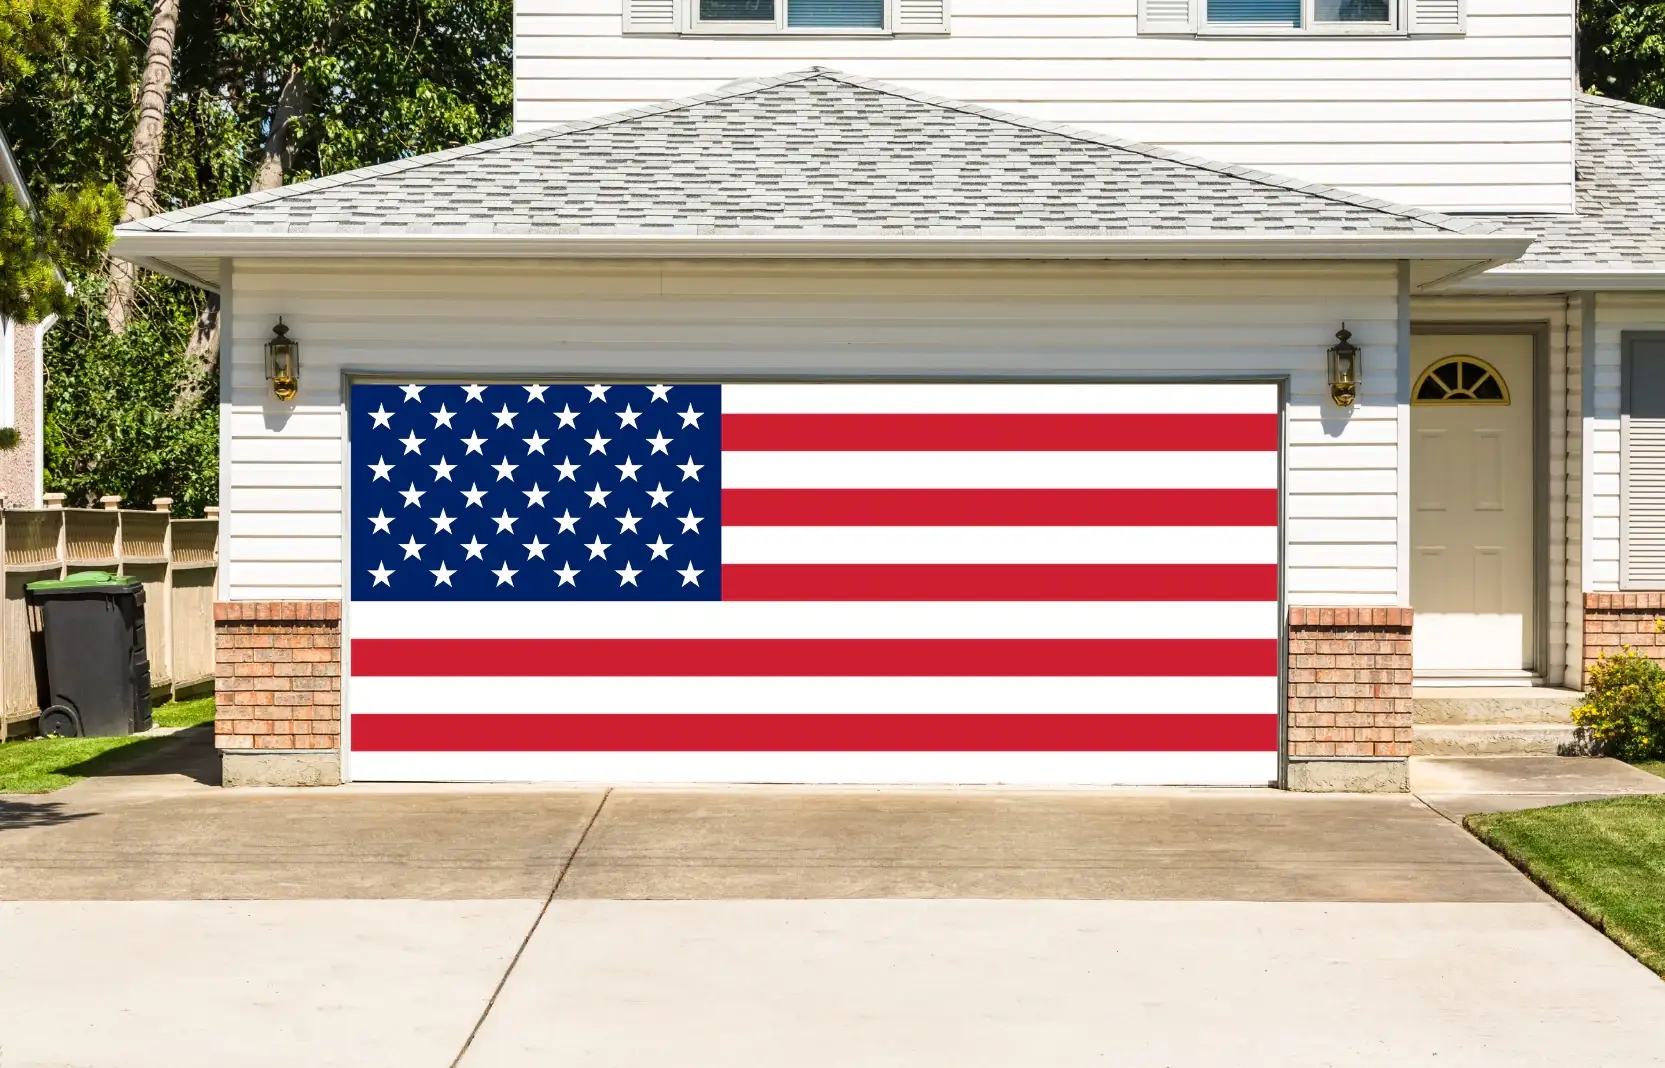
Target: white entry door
<point>1471,488</point>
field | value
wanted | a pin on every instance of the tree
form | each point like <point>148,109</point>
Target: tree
<point>31,29</point>
<point>1621,49</point>
<point>139,194</point>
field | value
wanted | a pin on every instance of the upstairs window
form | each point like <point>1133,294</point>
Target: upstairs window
<point>1296,16</point>
<point>771,16</point>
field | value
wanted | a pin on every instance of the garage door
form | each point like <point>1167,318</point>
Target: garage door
<point>814,582</point>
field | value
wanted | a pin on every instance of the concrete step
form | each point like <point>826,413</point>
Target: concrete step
<point>1498,739</point>
<point>1492,704</point>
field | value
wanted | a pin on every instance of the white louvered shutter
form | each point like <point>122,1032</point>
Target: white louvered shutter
<point>921,16</point>
<point>1438,16</point>
<point>650,16</point>
<point>1642,466</point>
<point>1168,16</point>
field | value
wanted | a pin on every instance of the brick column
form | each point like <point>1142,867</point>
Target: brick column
<point>1349,698</point>
<point>277,718</point>
<point>1615,620</point>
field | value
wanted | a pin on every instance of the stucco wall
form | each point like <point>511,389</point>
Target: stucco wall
<point>17,464</point>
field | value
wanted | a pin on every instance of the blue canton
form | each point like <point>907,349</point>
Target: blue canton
<point>536,492</point>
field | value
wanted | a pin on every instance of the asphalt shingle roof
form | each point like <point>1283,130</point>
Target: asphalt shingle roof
<point>813,153</point>
<point>1619,149</point>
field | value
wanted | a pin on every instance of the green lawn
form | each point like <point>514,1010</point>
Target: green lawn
<point>1605,859</point>
<point>41,765</point>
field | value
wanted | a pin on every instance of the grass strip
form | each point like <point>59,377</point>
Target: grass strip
<point>41,765</point>
<point>1605,860</point>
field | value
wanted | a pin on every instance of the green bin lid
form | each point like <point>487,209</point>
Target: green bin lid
<point>82,580</point>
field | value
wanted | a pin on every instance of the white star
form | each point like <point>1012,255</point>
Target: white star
<point>691,574</point>
<point>660,443</point>
<point>412,443</point>
<point>475,496</point>
<point>382,416</point>
<point>505,417</point>
<point>381,522</point>
<point>628,417</point>
<point>660,393</point>
<point>506,522</point>
<point>691,417</point>
<point>534,392</point>
<point>473,441</point>
<point>443,470</point>
<point>505,469</point>
<point>443,522</point>
<point>690,470</point>
<point>567,468</point>
<point>628,469</point>
<point>505,575</point>
<point>381,573</point>
<point>534,443</point>
<point>475,393</point>
<point>597,444</point>
<point>568,521</point>
<point>598,496</point>
<point>628,522</point>
<point>534,548</point>
<point>473,546</point>
<point>568,574</point>
<point>442,574</point>
<point>598,548</point>
<point>535,496</point>
<point>598,393</point>
<point>412,392</point>
<point>627,575</point>
<point>661,549</point>
<point>661,497</point>
<point>567,416</point>
<point>443,417</point>
<point>381,468</point>
<point>691,522</point>
<point>413,549</point>
<point>412,496</point>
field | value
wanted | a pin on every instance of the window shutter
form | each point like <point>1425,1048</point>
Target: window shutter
<point>1447,17</point>
<point>921,16</point>
<point>650,16</point>
<point>1168,16</point>
<point>1642,465</point>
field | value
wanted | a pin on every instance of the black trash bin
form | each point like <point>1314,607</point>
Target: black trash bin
<point>97,671</point>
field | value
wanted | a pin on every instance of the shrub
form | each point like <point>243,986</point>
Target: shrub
<point>1624,706</point>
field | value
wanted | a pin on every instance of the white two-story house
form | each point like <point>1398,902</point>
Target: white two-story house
<point>1040,459</point>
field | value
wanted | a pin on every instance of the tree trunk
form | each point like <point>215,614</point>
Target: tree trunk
<point>292,103</point>
<point>142,168</point>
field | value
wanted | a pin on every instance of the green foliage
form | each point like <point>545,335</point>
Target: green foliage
<point>1621,49</point>
<point>1624,706</point>
<point>72,228</point>
<point>30,29</point>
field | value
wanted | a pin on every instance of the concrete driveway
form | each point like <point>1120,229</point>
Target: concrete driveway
<point>157,921</point>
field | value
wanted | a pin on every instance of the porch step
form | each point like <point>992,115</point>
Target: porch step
<point>1498,739</point>
<point>1492,704</point>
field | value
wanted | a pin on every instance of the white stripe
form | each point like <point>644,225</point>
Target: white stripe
<point>1196,398</point>
<point>1149,695</point>
<point>1000,545</point>
<point>1010,769</point>
<point>816,619</point>
<point>1001,470</point>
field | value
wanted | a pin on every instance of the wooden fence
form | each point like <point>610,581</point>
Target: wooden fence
<point>176,559</point>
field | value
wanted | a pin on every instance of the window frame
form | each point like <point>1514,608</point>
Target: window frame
<point>694,26</point>
<point>1397,25</point>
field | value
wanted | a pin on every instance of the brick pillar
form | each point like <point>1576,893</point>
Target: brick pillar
<point>1615,620</point>
<point>1349,698</point>
<point>277,718</point>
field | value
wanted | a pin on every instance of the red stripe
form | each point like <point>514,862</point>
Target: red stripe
<point>999,507</point>
<point>952,732</point>
<point>1000,582</point>
<point>999,433</point>
<point>781,657</point>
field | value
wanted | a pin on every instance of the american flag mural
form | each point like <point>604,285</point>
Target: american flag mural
<point>814,582</point>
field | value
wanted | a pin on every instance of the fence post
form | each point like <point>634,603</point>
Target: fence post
<point>112,503</point>
<point>56,501</point>
<point>165,506</point>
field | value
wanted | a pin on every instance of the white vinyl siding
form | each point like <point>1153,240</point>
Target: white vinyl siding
<point>1616,315</point>
<point>1642,463</point>
<point>1477,122</point>
<point>284,495</point>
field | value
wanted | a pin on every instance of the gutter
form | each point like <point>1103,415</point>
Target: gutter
<point>1564,281</point>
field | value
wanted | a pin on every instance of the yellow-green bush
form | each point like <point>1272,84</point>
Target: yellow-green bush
<point>1624,706</point>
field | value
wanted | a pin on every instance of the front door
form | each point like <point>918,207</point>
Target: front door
<point>1471,488</point>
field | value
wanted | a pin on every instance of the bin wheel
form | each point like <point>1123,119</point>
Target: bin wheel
<point>60,721</point>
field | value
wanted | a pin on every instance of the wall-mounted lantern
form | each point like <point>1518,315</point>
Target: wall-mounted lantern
<point>1344,368</point>
<point>283,362</point>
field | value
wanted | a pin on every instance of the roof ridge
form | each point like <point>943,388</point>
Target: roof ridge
<point>1589,97</point>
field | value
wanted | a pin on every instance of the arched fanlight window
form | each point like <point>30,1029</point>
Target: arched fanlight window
<point>1460,380</point>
